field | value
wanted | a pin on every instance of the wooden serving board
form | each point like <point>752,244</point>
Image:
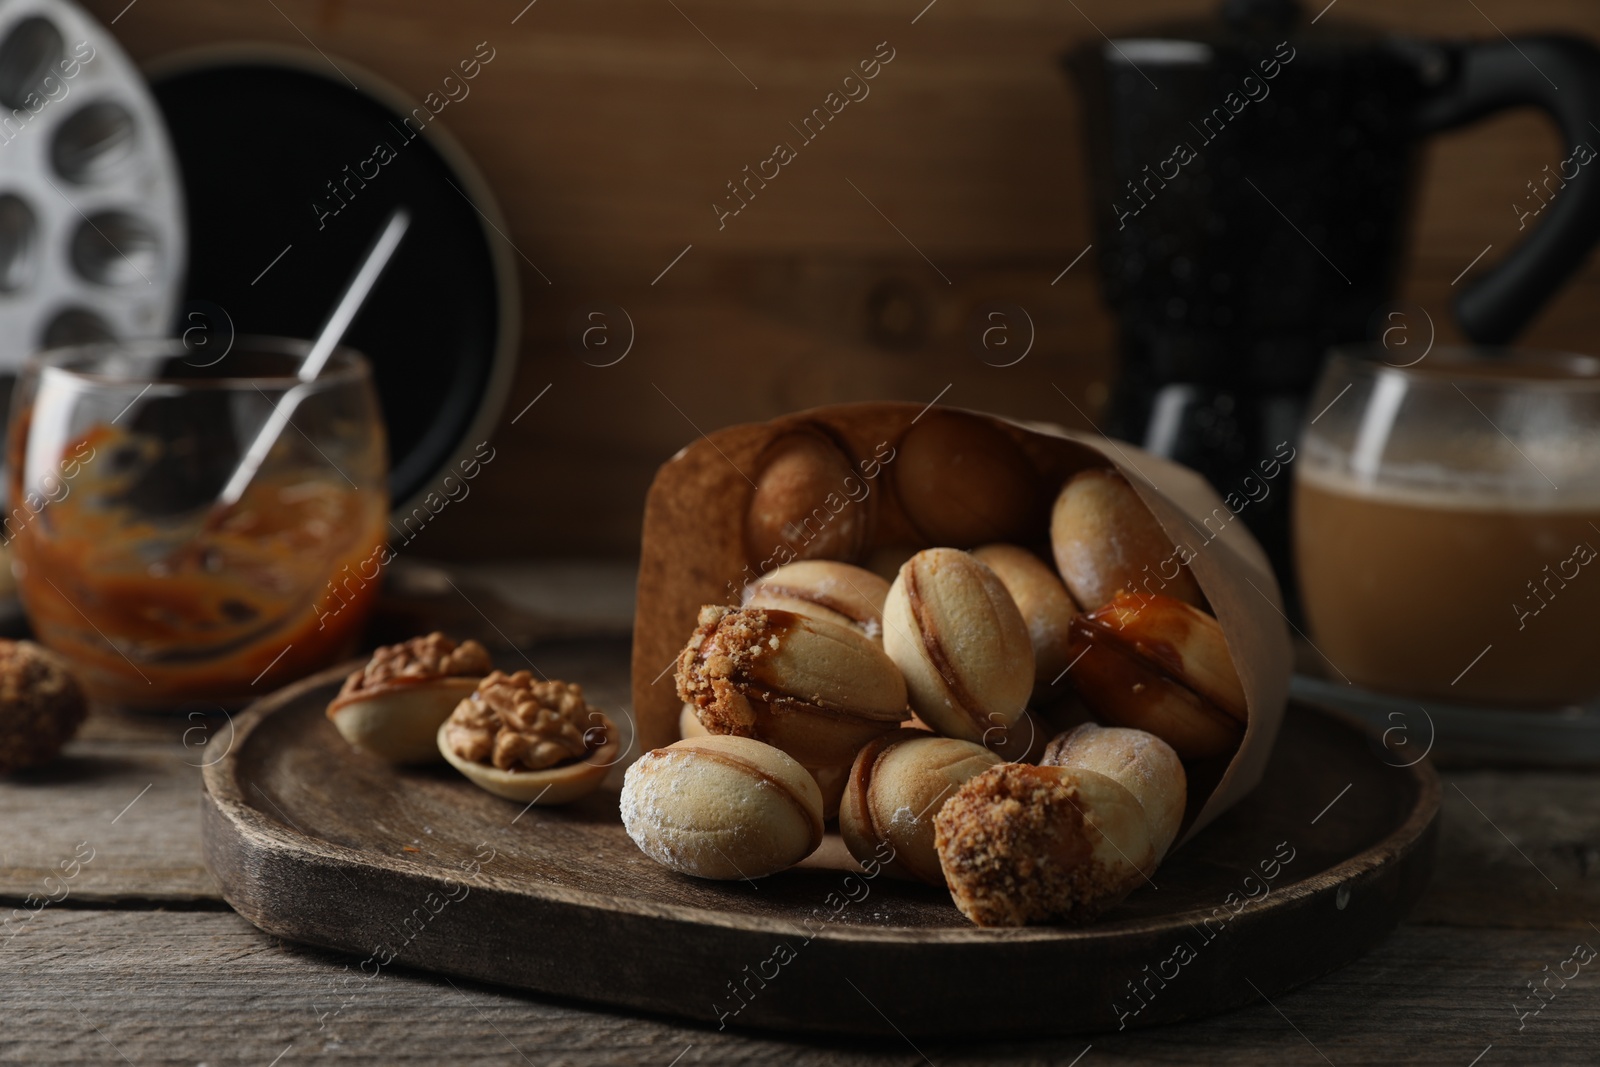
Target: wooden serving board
<point>315,842</point>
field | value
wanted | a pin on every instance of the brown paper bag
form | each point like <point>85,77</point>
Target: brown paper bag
<point>695,553</point>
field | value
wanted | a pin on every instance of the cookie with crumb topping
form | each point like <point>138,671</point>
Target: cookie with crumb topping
<point>1021,844</point>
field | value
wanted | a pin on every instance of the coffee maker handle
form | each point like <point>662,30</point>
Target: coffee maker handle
<point>1562,76</point>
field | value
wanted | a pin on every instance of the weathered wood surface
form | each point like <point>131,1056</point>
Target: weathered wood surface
<point>607,131</point>
<point>1517,850</point>
<point>163,988</point>
<point>127,811</point>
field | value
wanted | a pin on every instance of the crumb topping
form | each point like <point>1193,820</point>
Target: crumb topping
<point>718,654</point>
<point>517,723</point>
<point>1017,848</point>
<point>421,659</point>
<point>742,664</point>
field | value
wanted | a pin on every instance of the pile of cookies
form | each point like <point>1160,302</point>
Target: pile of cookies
<point>918,711</point>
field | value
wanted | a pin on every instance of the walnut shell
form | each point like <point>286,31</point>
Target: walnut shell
<point>393,705</point>
<point>1107,541</point>
<point>957,636</point>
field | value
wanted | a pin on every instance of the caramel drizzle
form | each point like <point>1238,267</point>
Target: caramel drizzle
<point>861,782</point>
<point>936,653</point>
<point>1098,635</point>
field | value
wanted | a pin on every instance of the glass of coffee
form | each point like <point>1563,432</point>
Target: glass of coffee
<point>1447,522</point>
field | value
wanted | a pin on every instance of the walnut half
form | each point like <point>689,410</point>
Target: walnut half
<point>516,723</point>
<point>530,741</point>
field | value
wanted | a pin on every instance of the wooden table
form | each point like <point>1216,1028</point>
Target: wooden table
<point>142,962</point>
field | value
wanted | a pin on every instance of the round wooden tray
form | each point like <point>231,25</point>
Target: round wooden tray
<point>315,842</point>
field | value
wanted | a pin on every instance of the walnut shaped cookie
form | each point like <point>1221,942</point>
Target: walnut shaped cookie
<point>393,706</point>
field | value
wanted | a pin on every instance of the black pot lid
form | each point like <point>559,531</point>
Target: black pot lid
<point>289,173</point>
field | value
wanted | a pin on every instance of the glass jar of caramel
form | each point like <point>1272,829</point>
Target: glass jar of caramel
<point>124,562</point>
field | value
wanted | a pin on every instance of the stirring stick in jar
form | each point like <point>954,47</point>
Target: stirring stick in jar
<point>344,312</point>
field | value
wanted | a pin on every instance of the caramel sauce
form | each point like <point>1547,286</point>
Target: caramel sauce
<point>155,615</point>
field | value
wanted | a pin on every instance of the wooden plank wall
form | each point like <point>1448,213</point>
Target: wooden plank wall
<point>609,129</point>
